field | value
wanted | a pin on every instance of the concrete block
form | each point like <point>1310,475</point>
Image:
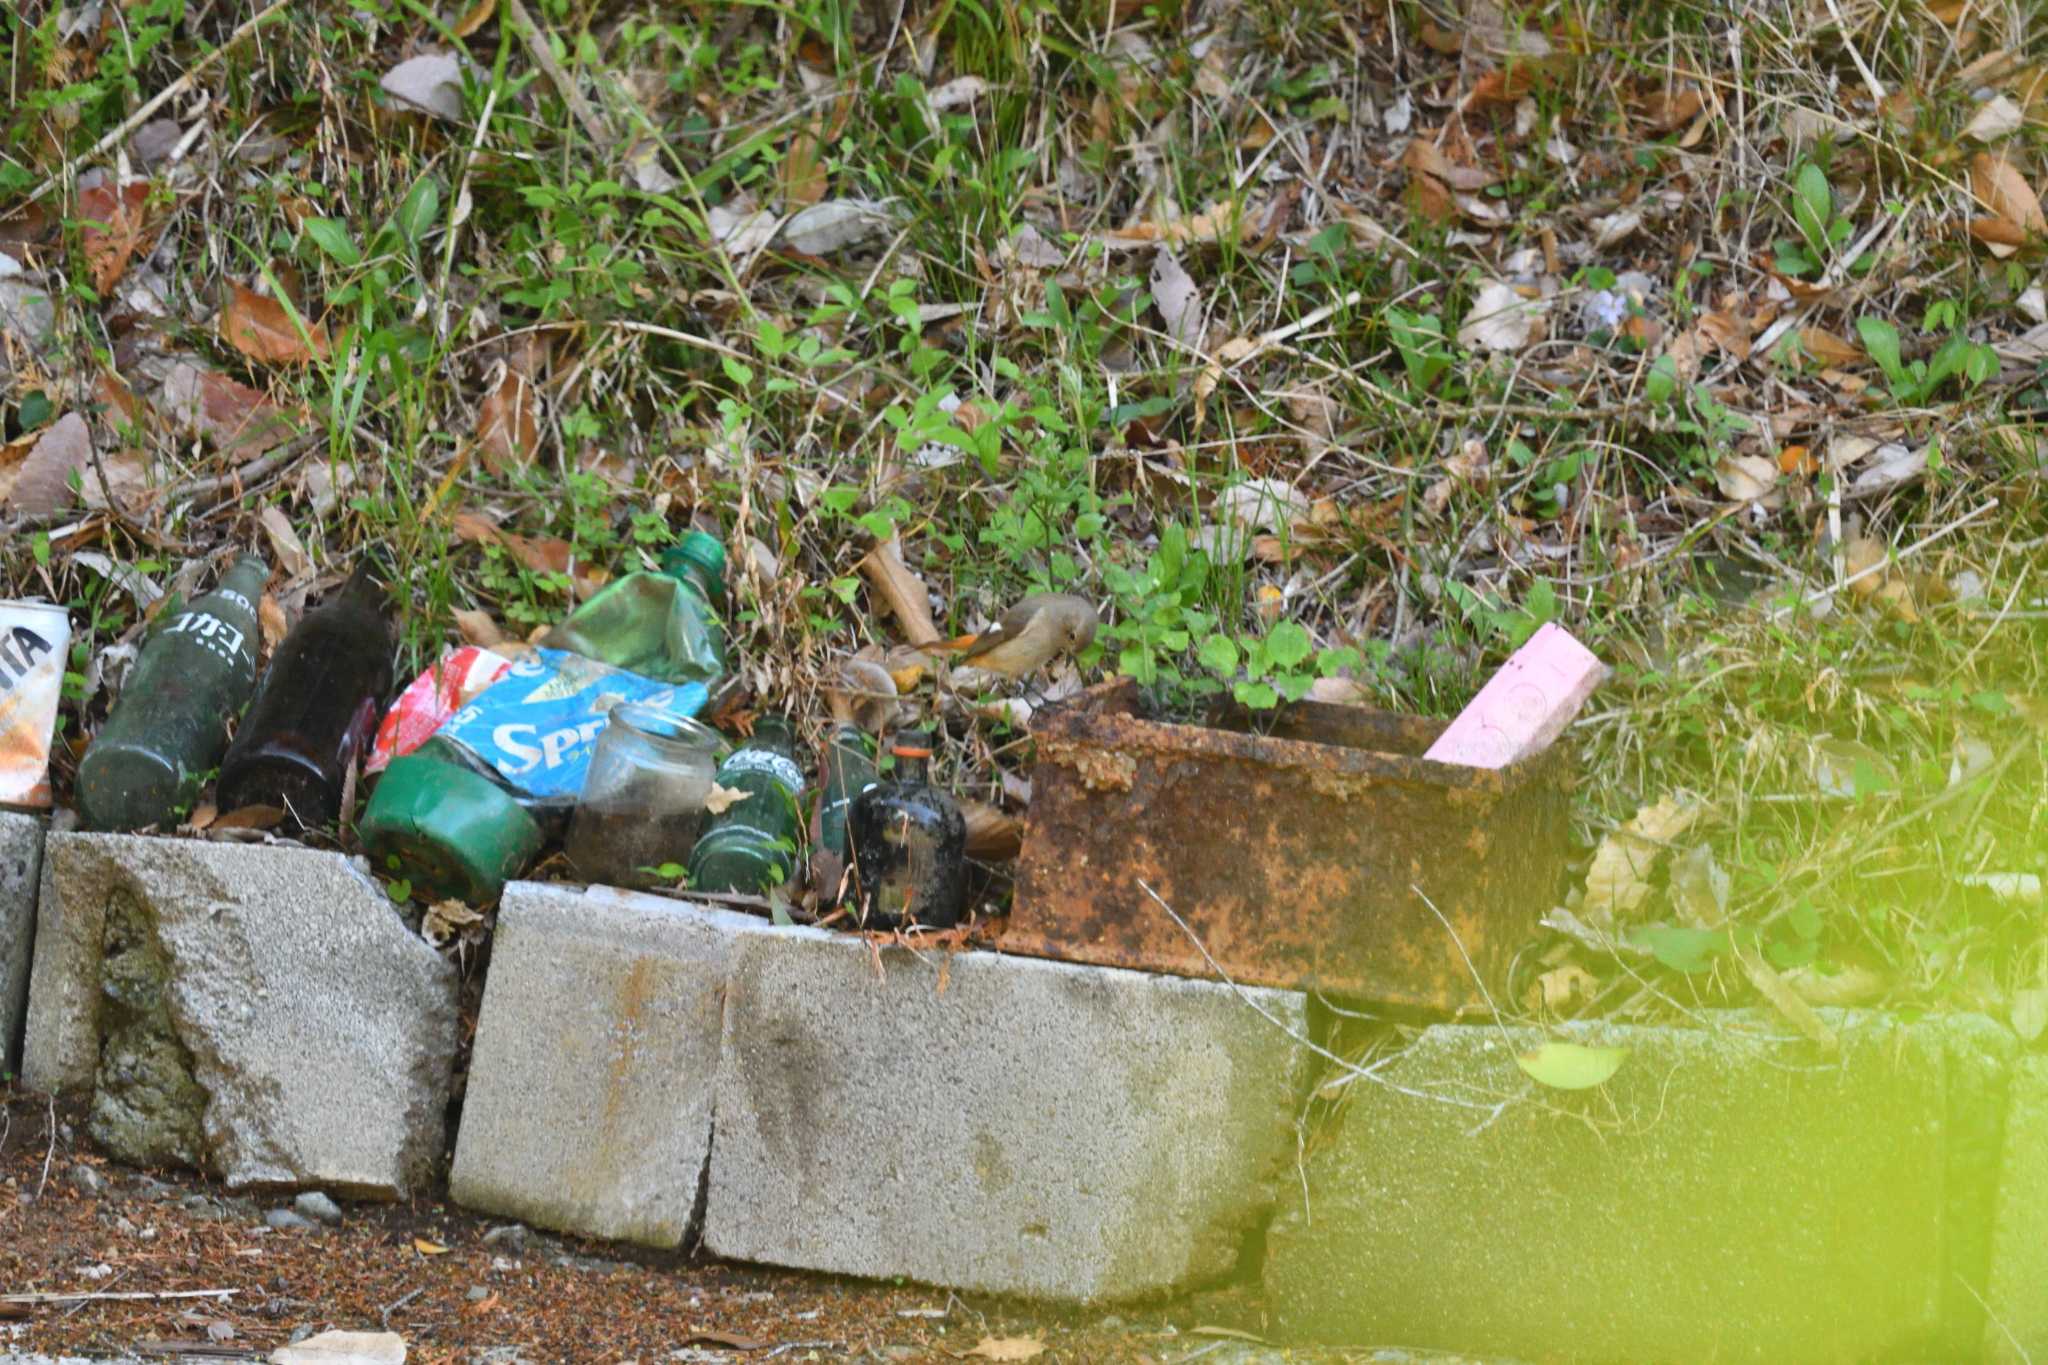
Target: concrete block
<point>994,1123</point>
<point>2016,1327</point>
<point>21,858</point>
<point>590,1091</point>
<point>1730,1194</point>
<point>260,1012</point>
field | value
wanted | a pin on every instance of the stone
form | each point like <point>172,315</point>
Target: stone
<point>21,857</point>
<point>88,1180</point>
<point>995,1123</point>
<point>343,1348</point>
<point>1704,1203</point>
<point>269,995</point>
<point>2016,1329</point>
<point>589,1102</point>
<point>511,1236</point>
<point>317,1206</point>
<point>284,1220</point>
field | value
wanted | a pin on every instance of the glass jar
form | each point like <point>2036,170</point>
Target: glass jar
<point>644,797</point>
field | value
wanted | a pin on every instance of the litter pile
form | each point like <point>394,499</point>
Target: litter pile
<point>620,736</point>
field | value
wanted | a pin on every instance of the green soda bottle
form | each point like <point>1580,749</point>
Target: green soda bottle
<point>660,625</point>
<point>170,724</point>
<point>750,846</point>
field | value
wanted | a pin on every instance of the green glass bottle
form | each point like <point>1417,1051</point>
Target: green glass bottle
<point>660,625</point>
<point>750,846</point>
<point>846,768</point>
<point>170,724</point>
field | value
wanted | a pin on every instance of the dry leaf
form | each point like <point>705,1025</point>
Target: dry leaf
<point>722,799</point>
<point>426,1248</point>
<point>1618,881</point>
<point>1828,348</point>
<point>508,423</point>
<point>901,590</point>
<point>1746,478</point>
<point>430,83</point>
<point>1862,554</point>
<point>992,835</point>
<point>1215,223</point>
<point>270,616</point>
<point>261,329</point>
<point>1999,186</point>
<point>479,14</point>
<point>803,170</point>
<point>446,920</point>
<point>958,93</point>
<point>1614,228</point>
<point>1008,1348</point>
<point>1179,301</point>
<point>833,226</point>
<point>477,628</point>
<point>1995,118</point>
<point>114,222</point>
<point>1566,986</point>
<point>236,417</point>
<point>291,554</point>
<point>1500,319</point>
<point>1895,466</point>
<point>203,816</point>
<point>60,456</point>
<point>251,817</point>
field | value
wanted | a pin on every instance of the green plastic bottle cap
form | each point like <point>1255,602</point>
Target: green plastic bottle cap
<point>453,832</point>
<point>705,551</point>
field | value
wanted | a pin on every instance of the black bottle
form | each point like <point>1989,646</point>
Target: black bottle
<point>908,841</point>
<point>316,711</point>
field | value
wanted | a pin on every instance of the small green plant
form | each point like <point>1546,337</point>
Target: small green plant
<point>1910,384</point>
<point>1419,340</point>
<point>1511,625</point>
<point>1821,232</point>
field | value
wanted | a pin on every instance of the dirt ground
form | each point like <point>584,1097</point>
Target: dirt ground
<point>466,1289</point>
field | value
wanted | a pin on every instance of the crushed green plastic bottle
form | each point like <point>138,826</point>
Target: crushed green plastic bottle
<point>664,625</point>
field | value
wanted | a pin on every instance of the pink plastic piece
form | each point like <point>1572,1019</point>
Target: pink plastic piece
<point>1525,706</point>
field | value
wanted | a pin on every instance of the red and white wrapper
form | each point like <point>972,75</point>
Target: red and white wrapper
<point>430,699</point>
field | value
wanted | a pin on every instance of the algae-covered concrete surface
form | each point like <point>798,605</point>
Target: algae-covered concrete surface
<point>1732,1193</point>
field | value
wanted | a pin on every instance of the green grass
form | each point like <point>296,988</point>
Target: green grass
<point>806,403</point>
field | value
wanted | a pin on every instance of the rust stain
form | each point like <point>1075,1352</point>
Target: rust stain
<point>1289,844</point>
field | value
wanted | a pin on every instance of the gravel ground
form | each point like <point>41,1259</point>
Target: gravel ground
<point>471,1290</point>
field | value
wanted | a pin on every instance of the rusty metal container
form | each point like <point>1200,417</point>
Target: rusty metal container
<point>1292,845</point>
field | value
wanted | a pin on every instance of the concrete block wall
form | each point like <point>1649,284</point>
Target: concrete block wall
<point>653,1071</point>
<point>21,861</point>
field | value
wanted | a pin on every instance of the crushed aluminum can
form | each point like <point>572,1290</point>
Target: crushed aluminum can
<point>35,640</point>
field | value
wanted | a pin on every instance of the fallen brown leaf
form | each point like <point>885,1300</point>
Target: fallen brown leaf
<point>270,616</point>
<point>60,457</point>
<point>508,424</point>
<point>236,417</point>
<point>1999,187</point>
<point>291,553</point>
<point>260,328</point>
<point>479,14</point>
<point>1007,1348</point>
<point>114,224</point>
<point>477,628</point>
<point>1828,348</point>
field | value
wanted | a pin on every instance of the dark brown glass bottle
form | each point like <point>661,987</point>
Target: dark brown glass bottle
<point>908,840</point>
<point>316,710</point>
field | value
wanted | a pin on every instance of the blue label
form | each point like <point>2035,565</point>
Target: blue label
<point>538,724</point>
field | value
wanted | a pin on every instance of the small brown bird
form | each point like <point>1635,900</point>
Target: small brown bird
<point>1028,636</point>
